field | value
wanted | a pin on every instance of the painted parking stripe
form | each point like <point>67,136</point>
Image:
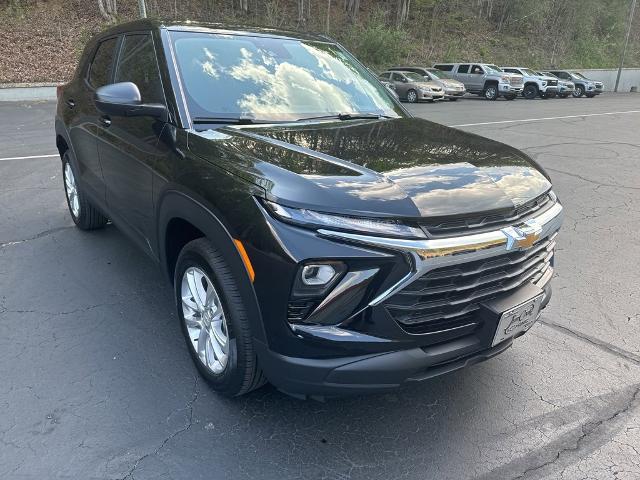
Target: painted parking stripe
<point>30,157</point>
<point>545,118</point>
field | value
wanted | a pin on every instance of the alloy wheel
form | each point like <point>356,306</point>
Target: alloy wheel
<point>412,96</point>
<point>71,189</point>
<point>491,93</point>
<point>205,319</point>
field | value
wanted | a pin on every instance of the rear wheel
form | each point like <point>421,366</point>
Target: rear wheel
<point>452,99</point>
<point>83,213</point>
<point>530,92</point>
<point>491,92</point>
<point>412,96</point>
<point>214,320</point>
<point>579,91</point>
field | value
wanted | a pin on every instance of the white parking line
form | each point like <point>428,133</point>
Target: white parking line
<point>29,157</point>
<point>545,118</point>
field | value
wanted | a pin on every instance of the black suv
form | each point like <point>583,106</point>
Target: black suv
<point>316,235</point>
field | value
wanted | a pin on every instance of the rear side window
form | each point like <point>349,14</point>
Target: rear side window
<point>137,63</point>
<point>384,76</point>
<point>396,77</point>
<point>102,63</point>
<point>444,68</point>
<point>463,68</point>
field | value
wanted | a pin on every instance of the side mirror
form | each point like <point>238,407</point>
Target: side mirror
<point>124,99</point>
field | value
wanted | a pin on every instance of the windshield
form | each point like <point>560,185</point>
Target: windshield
<point>232,76</point>
<point>414,77</point>
<point>493,68</point>
<point>528,72</point>
<point>579,75</point>
<point>439,73</point>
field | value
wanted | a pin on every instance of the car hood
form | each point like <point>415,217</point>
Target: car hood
<point>405,167</point>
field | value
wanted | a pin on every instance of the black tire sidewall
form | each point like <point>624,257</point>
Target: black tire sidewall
<point>231,379</point>
<point>579,91</point>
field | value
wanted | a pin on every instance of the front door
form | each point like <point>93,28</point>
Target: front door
<point>476,77</point>
<point>128,146</point>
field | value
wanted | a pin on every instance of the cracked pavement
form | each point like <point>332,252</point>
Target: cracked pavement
<point>96,381</point>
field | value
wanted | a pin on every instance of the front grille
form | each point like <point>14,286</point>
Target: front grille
<point>436,89</point>
<point>467,224</point>
<point>552,83</point>
<point>448,298</point>
<point>516,80</point>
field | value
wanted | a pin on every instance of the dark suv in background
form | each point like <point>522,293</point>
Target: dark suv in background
<point>316,235</point>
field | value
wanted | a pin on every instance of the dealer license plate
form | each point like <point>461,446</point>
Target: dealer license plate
<point>517,319</point>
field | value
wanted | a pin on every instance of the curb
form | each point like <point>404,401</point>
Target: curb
<point>18,92</point>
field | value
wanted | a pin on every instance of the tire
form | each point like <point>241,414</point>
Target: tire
<point>510,97</point>
<point>530,91</point>
<point>490,92</point>
<point>579,91</point>
<point>563,95</point>
<point>412,96</point>
<point>83,213</point>
<point>452,99</point>
<point>590,95</point>
<point>220,314</point>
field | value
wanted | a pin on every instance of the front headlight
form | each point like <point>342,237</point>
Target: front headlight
<point>425,90</point>
<point>365,225</point>
<point>505,79</point>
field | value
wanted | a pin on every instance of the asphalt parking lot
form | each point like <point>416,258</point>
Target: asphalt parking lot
<point>96,381</point>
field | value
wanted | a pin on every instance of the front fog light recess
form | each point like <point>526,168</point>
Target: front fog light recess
<point>318,274</point>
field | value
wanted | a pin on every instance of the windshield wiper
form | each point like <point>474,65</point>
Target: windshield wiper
<point>227,120</point>
<point>346,116</point>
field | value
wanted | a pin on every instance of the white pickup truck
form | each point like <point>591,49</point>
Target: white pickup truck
<point>535,85</point>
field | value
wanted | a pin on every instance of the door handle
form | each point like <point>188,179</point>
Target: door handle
<point>70,103</point>
<point>105,120</point>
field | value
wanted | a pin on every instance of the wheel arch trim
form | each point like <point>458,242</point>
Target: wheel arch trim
<point>175,204</point>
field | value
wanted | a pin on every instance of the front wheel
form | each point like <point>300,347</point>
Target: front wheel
<point>412,96</point>
<point>491,92</point>
<point>579,91</point>
<point>530,92</point>
<point>214,320</point>
<point>83,213</point>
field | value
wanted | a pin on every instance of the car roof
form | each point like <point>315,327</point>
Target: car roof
<point>211,27</point>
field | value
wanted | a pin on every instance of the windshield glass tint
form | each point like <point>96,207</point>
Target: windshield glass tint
<point>414,77</point>
<point>528,72</point>
<point>493,68</point>
<point>438,73</point>
<point>273,78</point>
<point>579,75</point>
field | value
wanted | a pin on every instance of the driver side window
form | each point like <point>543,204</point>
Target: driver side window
<point>137,63</point>
<point>477,70</point>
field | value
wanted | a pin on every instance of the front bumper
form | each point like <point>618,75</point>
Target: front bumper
<point>431,95</point>
<point>508,89</point>
<point>454,93</point>
<point>368,350</point>
<point>550,89</point>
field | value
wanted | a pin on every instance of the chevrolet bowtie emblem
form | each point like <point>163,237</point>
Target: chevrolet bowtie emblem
<point>522,237</point>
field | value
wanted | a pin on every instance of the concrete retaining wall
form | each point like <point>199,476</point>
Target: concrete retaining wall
<point>20,92</point>
<point>630,77</point>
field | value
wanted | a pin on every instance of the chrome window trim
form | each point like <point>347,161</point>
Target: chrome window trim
<point>426,255</point>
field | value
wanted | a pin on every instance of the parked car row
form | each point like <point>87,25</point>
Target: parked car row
<point>452,80</point>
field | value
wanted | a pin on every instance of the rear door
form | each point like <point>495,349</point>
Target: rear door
<point>85,119</point>
<point>476,77</point>
<point>129,148</point>
<point>462,75</point>
<point>401,84</point>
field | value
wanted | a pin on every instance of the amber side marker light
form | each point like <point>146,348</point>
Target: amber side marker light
<point>245,259</point>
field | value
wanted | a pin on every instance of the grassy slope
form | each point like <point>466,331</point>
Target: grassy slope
<point>40,42</point>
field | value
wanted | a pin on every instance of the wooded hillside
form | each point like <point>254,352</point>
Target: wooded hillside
<point>41,40</point>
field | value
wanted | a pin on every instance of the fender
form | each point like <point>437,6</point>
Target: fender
<point>175,204</point>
